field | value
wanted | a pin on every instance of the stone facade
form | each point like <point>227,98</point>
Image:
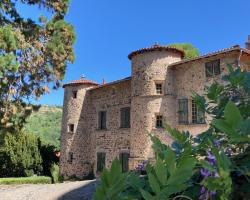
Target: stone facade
<point>81,137</point>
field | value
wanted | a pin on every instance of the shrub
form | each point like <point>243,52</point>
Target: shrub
<point>213,165</point>
<point>19,155</point>
<point>54,170</point>
<point>26,180</point>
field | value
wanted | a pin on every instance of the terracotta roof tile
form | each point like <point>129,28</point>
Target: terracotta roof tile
<point>156,47</point>
<point>81,82</point>
<point>111,83</point>
<point>210,54</point>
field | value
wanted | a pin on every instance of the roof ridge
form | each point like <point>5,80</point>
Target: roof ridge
<point>155,47</point>
<point>234,47</point>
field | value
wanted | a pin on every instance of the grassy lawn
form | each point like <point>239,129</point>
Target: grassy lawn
<point>25,180</point>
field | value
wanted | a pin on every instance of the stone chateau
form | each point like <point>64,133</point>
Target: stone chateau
<point>102,122</point>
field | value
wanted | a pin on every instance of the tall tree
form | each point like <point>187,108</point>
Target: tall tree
<point>33,56</point>
<point>190,50</point>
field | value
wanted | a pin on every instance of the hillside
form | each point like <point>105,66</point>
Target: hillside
<point>46,123</point>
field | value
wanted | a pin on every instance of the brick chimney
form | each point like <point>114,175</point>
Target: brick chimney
<point>248,43</point>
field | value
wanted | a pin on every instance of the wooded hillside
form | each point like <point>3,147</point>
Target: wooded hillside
<point>46,123</point>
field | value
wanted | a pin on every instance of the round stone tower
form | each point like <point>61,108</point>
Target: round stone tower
<point>74,159</point>
<point>152,98</point>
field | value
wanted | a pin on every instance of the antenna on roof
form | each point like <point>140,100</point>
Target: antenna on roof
<point>83,77</point>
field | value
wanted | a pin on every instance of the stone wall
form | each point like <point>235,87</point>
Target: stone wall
<point>139,93</point>
<point>114,140</point>
<point>147,70</point>
<point>77,142</point>
<point>190,77</point>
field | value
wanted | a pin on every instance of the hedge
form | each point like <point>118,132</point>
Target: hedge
<point>26,180</point>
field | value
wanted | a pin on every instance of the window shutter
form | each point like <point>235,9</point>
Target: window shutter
<point>100,161</point>
<point>125,117</point>
<point>99,120</point>
<point>104,120</point>
<point>183,111</point>
<point>124,157</point>
<point>216,67</point>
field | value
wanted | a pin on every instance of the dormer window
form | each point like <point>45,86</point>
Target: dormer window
<point>212,68</point>
<point>158,87</point>
<point>74,94</point>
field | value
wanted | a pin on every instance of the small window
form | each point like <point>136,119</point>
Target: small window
<point>71,157</point>
<point>101,157</point>
<point>212,68</point>
<point>74,94</point>
<point>158,87</point>
<point>125,117</point>
<point>183,111</point>
<point>198,116</point>
<point>159,121</point>
<point>71,128</point>
<point>102,119</point>
<point>124,158</point>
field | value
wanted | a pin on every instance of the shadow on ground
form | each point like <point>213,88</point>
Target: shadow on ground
<point>84,192</point>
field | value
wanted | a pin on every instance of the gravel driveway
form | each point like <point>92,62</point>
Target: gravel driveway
<point>70,190</point>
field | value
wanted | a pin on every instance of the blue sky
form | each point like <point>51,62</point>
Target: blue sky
<point>107,31</point>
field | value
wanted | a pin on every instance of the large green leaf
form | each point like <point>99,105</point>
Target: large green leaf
<point>153,183</point>
<point>232,114</point>
<point>146,195</point>
<point>161,172</point>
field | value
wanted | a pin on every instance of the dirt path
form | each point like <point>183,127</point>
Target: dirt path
<point>63,191</point>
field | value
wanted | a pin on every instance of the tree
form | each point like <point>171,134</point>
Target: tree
<point>33,57</point>
<point>19,155</point>
<point>190,50</point>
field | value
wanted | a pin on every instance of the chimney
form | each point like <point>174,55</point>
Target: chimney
<point>248,43</point>
<point>104,81</point>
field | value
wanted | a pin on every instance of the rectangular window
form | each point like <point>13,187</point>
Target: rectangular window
<point>125,117</point>
<point>212,68</point>
<point>74,93</point>
<point>124,157</point>
<point>71,128</point>
<point>102,119</point>
<point>159,121</point>
<point>158,87</point>
<point>183,111</point>
<point>101,157</point>
<point>198,116</point>
<point>71,157</point>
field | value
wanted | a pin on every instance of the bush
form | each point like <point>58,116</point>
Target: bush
<point>26,180</point>
<point>213,165</point>
<point>19,155</point>
<point>54,170</point>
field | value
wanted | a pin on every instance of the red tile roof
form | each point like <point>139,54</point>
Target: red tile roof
<point>112,83</point>
<point>81,82</point>
<point>156,47</point>
<point>226,50</point>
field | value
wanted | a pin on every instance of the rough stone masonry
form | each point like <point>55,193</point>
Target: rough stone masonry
<point>113,120</point>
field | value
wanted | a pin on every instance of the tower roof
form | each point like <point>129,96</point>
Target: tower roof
<point>81,82</point>
<point>156,47</point>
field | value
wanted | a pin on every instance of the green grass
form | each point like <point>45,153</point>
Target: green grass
<point>26,180</point>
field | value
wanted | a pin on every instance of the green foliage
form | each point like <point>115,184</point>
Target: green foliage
<point>46,124</point>
<point>188,48</point>
<point>19,155</point>
<point>26,180</point>
<point>54,170</point>
<point>33,57</point>
<point>222,168</point>
<point>113,183</point>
